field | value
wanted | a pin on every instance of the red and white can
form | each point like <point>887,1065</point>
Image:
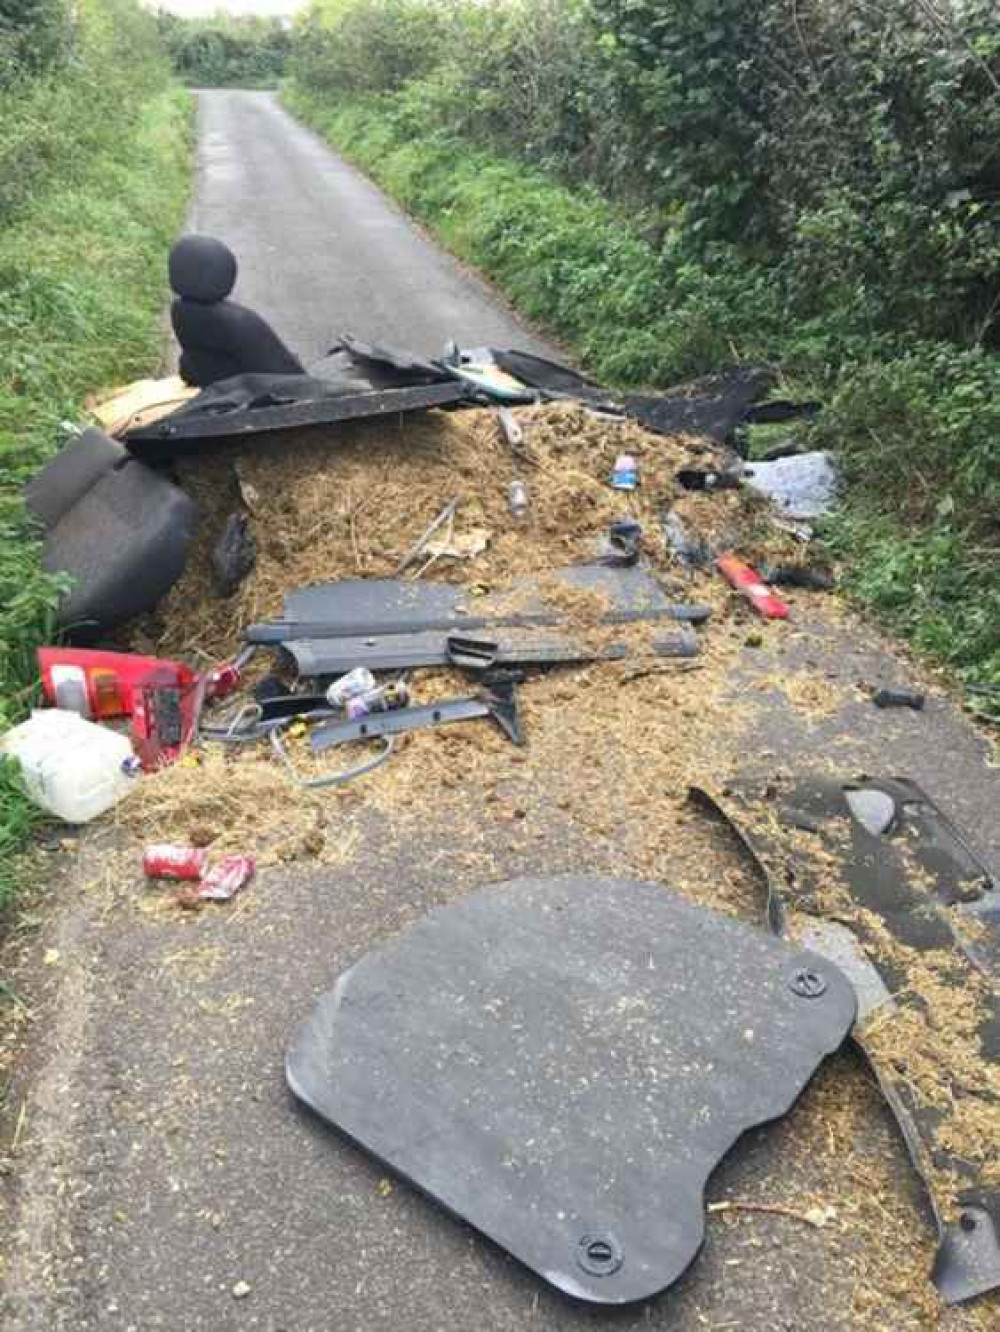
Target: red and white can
<point>174,862</point>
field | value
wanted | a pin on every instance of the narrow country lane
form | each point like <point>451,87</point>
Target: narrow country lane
<point>163,1179</point>
<point>321,250</point>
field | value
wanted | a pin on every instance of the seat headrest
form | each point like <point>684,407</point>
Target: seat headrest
<point>202,268</point>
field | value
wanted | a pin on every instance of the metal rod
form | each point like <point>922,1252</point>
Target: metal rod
<point>412,554</point>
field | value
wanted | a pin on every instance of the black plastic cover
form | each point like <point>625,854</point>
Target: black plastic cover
<point>563,1062</point>
<point>235,411</point>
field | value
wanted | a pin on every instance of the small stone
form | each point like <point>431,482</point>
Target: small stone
<point>754,640</point>
<point>241,1290</point>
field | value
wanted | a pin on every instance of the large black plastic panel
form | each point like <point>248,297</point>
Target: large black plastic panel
<point>562,1063</point>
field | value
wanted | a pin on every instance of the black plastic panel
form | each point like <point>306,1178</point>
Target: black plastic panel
<point>185,430</point>
<point>562,1062</point>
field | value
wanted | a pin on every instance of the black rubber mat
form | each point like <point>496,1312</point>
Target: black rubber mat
<point>562,1063</point>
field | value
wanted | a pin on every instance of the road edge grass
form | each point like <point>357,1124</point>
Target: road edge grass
<point>82,293</point>
<point>578,266</point>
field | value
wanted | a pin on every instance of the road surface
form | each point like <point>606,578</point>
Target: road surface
<point>158,1174</point>
<point>321,250</point>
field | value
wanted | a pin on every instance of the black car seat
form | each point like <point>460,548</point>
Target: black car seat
<point>119,529</point>
<point>219,338</point>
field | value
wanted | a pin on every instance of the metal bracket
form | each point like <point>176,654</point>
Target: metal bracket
<point>500,704</point>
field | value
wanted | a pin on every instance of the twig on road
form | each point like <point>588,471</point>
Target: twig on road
<point>817,1217</point>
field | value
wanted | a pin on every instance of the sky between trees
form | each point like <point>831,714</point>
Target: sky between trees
<point>200,8</point>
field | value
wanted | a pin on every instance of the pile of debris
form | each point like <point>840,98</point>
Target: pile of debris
<point>510,580</point>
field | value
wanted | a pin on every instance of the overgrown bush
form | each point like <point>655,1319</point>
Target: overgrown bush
<point>54,121</point>
<point>34,37</point>
<point>849,148</point>
<point>227,50</point>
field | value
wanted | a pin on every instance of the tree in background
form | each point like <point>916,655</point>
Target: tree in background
<point>226,50</point>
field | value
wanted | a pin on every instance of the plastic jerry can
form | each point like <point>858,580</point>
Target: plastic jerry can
<point>71,767</point>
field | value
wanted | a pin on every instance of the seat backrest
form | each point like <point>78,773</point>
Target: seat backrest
<point>225,339</point>
<point>75,470</point>
<point>219,338</point>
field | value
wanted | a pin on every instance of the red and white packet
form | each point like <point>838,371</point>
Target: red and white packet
<point>225,879</point>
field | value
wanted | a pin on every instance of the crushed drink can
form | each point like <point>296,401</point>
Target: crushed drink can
<point>164,861</point>
<point>625,474</point>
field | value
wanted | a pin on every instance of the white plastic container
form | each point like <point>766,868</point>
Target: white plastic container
<point>71,767</point>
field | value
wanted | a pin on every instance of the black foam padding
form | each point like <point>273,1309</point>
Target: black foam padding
<point>70,474</point>
<point>120,530</point>
<point>386,367</point>
<point>563,1062</point>
<point>225,339</point>
<point>202,268</point>
<point>714,406</point>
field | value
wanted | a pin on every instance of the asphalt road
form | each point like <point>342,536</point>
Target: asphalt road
<point>321,250</point>
<point>156,1172</point>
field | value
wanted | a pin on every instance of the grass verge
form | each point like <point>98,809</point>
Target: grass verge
<point>916,424</point>
<point>82,289</point>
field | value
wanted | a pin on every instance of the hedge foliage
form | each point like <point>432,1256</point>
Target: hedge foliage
<point>852,148</point>
<point>226,50</point>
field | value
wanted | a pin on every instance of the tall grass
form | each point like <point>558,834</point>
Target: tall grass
<point>82,289</point>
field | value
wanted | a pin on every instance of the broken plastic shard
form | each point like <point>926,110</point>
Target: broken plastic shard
<point>803,486</point>
<point>563,1062</point>
<point>907,880</point>
<point>874,810</point>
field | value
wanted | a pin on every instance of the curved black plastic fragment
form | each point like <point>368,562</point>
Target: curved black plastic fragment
<point>915,880</point>
<point>563,1062</point>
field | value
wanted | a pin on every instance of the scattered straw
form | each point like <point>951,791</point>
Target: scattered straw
<point>612,748</point>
